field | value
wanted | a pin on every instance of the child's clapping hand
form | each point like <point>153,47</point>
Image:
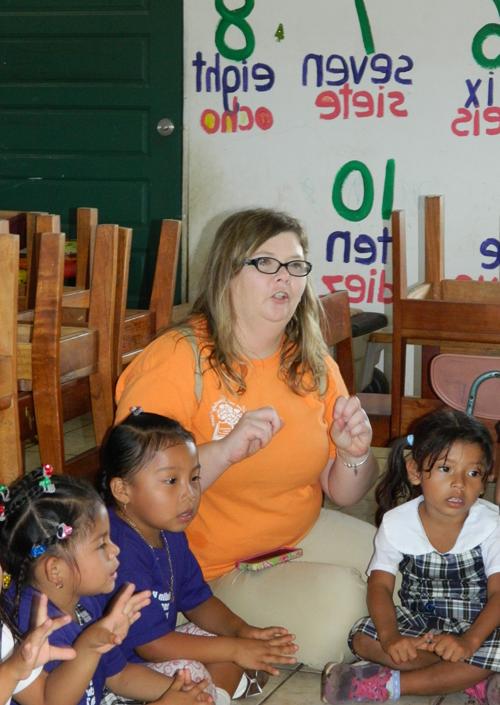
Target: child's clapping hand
<point>35,650</point>
<point>111,630</point>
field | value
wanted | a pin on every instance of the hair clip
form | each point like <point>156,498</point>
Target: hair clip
<point>2,513</point>
<point>6,580</point>
<point>136,410</point>
<point>37,550</point>
<point>46,482</point>
<point>63,531</point>
<point>409,439</point>
<point>4,493</point>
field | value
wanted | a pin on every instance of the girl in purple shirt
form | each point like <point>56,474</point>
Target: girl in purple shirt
<point>55,535</point>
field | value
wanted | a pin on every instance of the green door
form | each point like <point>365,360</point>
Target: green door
<point>83,85</point>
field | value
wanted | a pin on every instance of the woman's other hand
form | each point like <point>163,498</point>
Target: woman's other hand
<point>351,431</point>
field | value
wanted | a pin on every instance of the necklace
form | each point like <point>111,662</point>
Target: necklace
<point>134,526</point>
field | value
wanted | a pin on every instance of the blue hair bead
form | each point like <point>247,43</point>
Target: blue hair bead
<point>37,550</point>
<point>409,439</point>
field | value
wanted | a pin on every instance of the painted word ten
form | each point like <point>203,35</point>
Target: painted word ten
<point>365,246</point>
<point>240,119</point>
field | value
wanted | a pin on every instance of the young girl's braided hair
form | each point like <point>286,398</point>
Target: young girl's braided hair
<point>133,442</point>
<point>45,513</point>
<point>431,436</point>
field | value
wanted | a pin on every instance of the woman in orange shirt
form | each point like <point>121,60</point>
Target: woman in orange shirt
<point>250,376</point>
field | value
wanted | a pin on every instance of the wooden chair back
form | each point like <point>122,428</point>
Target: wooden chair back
<point>438,314</point>
<point>62,354</point>
<point>337,331</point>
<point>142,326</point>
<point>11,466</point>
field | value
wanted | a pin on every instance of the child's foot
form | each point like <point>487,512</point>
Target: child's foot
<point>256,681</point>
<point>364,682</point>
<point>477,693</point>
<point>493,690</point>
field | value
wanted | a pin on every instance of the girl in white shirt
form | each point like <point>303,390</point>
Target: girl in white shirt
<point>445,542</point>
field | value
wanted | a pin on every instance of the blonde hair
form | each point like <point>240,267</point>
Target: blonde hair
<point>302,359</point>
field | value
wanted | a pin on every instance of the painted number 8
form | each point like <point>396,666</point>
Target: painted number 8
<point>237,19</point>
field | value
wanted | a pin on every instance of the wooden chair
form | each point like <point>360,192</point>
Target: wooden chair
<point>337,332</point>
<point>86,224</point>
<point>51,353</point>
<point>142,326</point>
<point>11,465</point>
<point>439,314</point>
<point>30,222</point>
<point>135,328</point>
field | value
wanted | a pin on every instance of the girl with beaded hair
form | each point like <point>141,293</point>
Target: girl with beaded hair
<point>21,667</point>
<point>445,541</point>
<point>151,483</point>
<point>55,540</point>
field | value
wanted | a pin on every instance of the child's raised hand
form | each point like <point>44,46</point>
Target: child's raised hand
<point>184,692</point>
<point>111,630</point>
<point>35,650</point>
<point>260,653</point>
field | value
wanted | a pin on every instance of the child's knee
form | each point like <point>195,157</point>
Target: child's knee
<point>360,643</point>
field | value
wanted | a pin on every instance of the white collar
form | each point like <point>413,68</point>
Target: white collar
<point>405,532</point>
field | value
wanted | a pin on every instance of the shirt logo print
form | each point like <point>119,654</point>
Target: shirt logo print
<point>224,415</point>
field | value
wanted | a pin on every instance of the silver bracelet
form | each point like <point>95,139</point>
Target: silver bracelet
<point>356,465</point>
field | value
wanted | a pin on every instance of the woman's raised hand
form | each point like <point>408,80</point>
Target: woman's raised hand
<point>351,431</point>
<point>253,431</point>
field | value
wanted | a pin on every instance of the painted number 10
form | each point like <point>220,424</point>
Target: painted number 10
<point>360,213</point>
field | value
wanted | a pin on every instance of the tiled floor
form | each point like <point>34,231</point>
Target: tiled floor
<point>298,686</point>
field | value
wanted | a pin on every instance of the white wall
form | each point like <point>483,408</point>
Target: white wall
<point>292,164</point>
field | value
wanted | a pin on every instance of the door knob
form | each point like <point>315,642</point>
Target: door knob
<point>165,127</point>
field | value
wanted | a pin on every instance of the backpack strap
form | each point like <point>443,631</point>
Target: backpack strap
<point>189,335</point>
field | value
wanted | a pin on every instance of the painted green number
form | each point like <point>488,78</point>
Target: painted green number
<point>489,30</point>
<point>356,214</point>
<point>364,24</point>
<point>236,18</point>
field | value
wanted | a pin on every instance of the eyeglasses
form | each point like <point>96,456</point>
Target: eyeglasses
<point>271,265</point>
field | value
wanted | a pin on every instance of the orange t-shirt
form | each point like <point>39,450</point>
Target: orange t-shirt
<point>268,500</point>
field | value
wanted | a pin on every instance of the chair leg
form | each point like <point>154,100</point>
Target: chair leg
<point>47,398</point>
<point>398,383</point>
<point>11,465</point>
<point>101,312</point>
